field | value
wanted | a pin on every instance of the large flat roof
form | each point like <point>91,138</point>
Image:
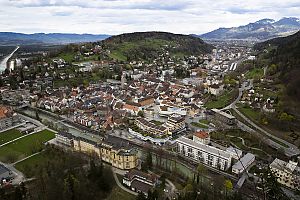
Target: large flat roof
<point>207,148</point>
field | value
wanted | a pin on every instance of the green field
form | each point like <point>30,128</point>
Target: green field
<point>222,100</point>
<point>9,135</point>
<point>204,121</point>
<point>255,73</point>
<point>25,147</point>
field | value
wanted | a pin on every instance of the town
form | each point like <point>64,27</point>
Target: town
<point>192,112</point>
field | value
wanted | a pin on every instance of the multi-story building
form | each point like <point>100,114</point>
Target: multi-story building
<point>204,153</point>
<point>64,138</point>
<point>119,154</point>
<point>150,127</point>
<point>287,173</point>
<point>175,124</point>
<point>111,150</point>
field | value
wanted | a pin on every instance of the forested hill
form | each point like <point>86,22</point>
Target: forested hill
<point>149,45</point>
<point>283,58</point>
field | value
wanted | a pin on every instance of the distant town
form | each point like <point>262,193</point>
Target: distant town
<point>169,124</point>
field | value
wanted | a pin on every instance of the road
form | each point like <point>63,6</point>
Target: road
<point>115,171</point>
<point>289,151</point>
<point>3,63</point>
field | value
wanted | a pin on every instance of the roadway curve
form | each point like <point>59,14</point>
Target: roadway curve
<point>289,151</point>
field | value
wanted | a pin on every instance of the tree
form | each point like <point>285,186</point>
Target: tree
<point>141,196</point>
<point>201,171</point>
<point>228,186</point>
<point>141,113</point>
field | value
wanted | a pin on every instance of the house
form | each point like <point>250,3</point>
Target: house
<point>7,117</point>
<point>202,137</point>
<point>216,89</point>
<point>139,181</point>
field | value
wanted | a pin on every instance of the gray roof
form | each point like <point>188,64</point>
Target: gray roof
<point>207,148</point>
<point>223,113</point>
<point>244,161</point>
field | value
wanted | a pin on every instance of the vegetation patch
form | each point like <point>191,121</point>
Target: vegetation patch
<point>25,146</point>
<point>9,135</point>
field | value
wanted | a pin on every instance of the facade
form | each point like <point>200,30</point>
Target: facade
<point>201,137</point>
<point>241,165</point>
<point>110,150</point>
<point>139,181</point>
<point>64,138</point>
<point>175,124</point>
<point>204,153</point>
<point>287,173</point>
<point>120,155</point>
<point>224,117</point>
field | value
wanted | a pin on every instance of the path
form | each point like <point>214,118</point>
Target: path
<point>289,151</point>
<point>120,184</point>
<point>37,130</point>
<point>27,157</point>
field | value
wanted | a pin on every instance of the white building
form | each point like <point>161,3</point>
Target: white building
<point>241,165</point>
<point>204,153</point>
<point>287,173</point>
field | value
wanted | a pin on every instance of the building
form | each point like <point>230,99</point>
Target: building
<point>224,117</point>
<point>121,155</point>
<point>287,173</point>
<point>110,149</point>
<point>150,127</point>
<point>242,164</point>
<point>139,181</point>
<point>201,137</point>
<point>175,124</point>
<point>200,152</point>
<point>216,89</point>
<point>235,153</point>
<point>7,117</point>
<point>64,138</point>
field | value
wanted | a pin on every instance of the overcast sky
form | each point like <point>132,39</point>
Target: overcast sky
<point>121,16</point>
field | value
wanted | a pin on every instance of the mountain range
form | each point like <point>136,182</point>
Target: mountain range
<point>261,30</point>
<point>11,38</point>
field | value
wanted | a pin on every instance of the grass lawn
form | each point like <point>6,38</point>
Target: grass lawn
<point>204,121</point>
<point>117,193</point>
<point>199,125</point>
<point>256,73</point>
<point>251,113</point>
<point>222,100</point>
<point>9,135</point>
<point>25,146</point>
<point>31,162</point>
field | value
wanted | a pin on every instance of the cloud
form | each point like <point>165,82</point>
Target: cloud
<point>118,16</point>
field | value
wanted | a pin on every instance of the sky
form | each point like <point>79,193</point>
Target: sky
<point>123,16</point>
